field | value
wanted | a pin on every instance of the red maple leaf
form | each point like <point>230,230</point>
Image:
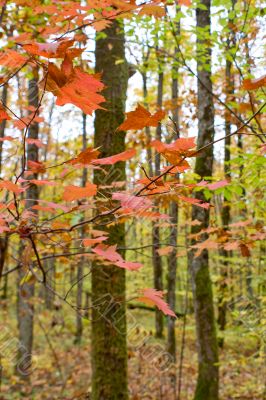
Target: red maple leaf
<point>155,297</point>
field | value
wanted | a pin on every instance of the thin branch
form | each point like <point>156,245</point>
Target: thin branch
<point>38,259</point>
<point>75,284</point>
<point>202,83</point>
<point>154,180</point>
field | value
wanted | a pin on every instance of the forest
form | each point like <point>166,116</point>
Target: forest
<point>133,193</point>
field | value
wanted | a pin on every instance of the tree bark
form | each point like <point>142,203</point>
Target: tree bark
<point>2,126</point>
<point>26,290</point>
<point>226,210</point>
<point>109,349</point>
<point>147,128</point>
<point>172,267</point>
<point>207,382</point>
<point>3,238</point>
<point>50,280</point>
<point>79,324</point>
<point>156,258</point>
<point>173,213</point>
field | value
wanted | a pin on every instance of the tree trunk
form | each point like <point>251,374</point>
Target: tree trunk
<point>79,325</point>
<point>2,126</point>
<point>26,290</point>
<point>223,286</point>
<point>147,128</point>
<point>173,213</point>
<point>207,382</point>
<point>156,258</point>
<point>109,349</point>
<point>3,238</point>
<point>50,280</point>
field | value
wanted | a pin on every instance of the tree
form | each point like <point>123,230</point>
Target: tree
<point>207,383</point>
<point>3,240</point>
<point>157,260</point>
<point>226,211</point>
<point>109,349</point>
<point>59,226</point>
<point>26,287</point>
<point>173,212</point>
<point>79,327</point>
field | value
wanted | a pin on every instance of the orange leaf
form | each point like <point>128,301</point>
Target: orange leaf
<point>85,157</point>
<point>49,50</point>
<point>126,155</point>
<point>231,246</point>
<point>72,192</point>
<point>78,88</point>
<point>131,266</point>
<point>155,11</point>
<point>241,223</point>
<point>132,202</point>
<point>153,296</point>
<point>8,138</point>
<point>252,84</point>
<point>245,252</point>
<point>67,66</point>
<point>107,252</point>
<point>174,152</point>
<point>3,114</point>
<point>12,59</point>
<point>140,118</point>
<point>43,208</point>
<point>217,185</point>
<point>164,251</point>
<point>36,142</point>
<point>12,187</point>
<point>90,241</point>
<point>36,167</point>
<point>194,201</point>
<point>181,145</point>
<point>40,182</point>
<point>186,3</point>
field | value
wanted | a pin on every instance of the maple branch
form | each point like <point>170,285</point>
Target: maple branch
<point>64,255</point>
<point>27,130</point>
<point>55,292</point>
<point>75,284</point>
<point>233,133</point>
<point>9,271</point>
<point>38,259</point>
<point>12,112</point>
<point>119,13</point>
<point>15,73</point>
<point>149,245</point>
<point>89,252</point>
<point>145,172</point>
<point>154,180</point>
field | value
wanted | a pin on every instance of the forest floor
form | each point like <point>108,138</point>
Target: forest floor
<point>62,370</point>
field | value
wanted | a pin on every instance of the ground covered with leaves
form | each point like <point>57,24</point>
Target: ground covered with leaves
<point>62,371</point>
